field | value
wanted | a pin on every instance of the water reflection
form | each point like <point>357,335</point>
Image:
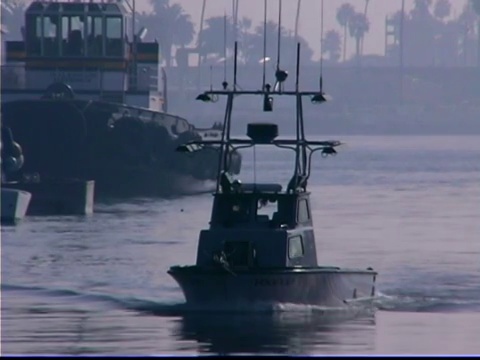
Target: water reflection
<point>282,333</point>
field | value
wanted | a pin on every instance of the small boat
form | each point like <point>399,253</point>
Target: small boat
<point>245,258</point>
<point>14,205</point>
<point>46,196</point>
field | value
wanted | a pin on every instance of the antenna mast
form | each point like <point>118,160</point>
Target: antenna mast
<point>280,75</point>
<point>279,32</point>
<point>235,18</point>
<point>299,3</point>
<point>224,84</point>
<point>321,47</point>
<point>200,41</point>
<point>264,40</point>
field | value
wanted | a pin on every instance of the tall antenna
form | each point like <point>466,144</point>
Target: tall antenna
<point>280,75</point>
<point>279,32</point>
<point>264,41</point>
<point>224,49</point>
<point>200,41</point>
<point>297,68</point>
<point>235,18</point>
<point>297,18</point>
<point>211,76</point>
<point>321,47</point>
<point>235,66</point>
<point>402,24</point>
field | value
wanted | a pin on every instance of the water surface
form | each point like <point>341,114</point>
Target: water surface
<point>406,206</point>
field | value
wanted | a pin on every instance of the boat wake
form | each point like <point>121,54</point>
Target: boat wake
<point>177,307</point>
<point>423,303</point>
<point>191,186</point>
<point>416,290</point>
<point>391,301</point>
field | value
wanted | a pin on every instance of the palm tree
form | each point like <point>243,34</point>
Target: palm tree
<point>243,35</point>
<point>421,9</point>
<point>358,26</point>
<point>467,21</point>
<point>476,7</point>
<point>172,25</point>
<point>272,34</point>
<point>212,39</point>
<point>367,2</point>
<point>344,13</point>
<point>12,18</point>
<point>332,45</point>
<point>252,49</point>
<point>442,9</point>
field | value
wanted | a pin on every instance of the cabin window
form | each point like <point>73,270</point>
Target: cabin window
<point>303,212</point>
<point>114,36</point>
<point>237,252</point>
<point>72,36</point>
<point>295,247</point>
<point>34,33</point>
<point>51,35</point>
<point>94,36</point>
<point>266,209</point>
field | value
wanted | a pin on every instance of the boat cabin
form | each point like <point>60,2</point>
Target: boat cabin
<point>258,225</point>
<point>75,29</point>
<point>89,46</point>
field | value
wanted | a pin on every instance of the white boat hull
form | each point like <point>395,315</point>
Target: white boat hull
<point>319,286</point>
<point>14,205</point>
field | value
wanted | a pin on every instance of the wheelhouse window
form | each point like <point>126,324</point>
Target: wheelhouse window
<point>266,209</point>
<point>295,247</point>
<point>72,35</point>
<point>51,35</point>
<point>95,36</point>
<point>303,212</point>
<point>114,36</point>
<point>34,34</point>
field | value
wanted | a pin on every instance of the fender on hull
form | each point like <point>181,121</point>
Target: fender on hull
<point>14,205</point>
<point>328,287</point>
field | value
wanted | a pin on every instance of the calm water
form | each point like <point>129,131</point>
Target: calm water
<point>407,206</point>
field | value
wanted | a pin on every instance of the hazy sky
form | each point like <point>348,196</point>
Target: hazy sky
<point>309,26</point>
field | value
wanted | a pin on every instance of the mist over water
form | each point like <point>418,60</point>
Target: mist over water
<point>406,206</point>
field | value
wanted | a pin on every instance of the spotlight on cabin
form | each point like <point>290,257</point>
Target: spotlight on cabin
<point>204,97</point>
<point>318,98</point>
<point>267,103</point>
<point>281,75</point>
<point>329,151</point>
<point>224,85</point>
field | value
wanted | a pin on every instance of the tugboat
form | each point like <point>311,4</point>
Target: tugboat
<point>81,94</point>
<point>245,258</point>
